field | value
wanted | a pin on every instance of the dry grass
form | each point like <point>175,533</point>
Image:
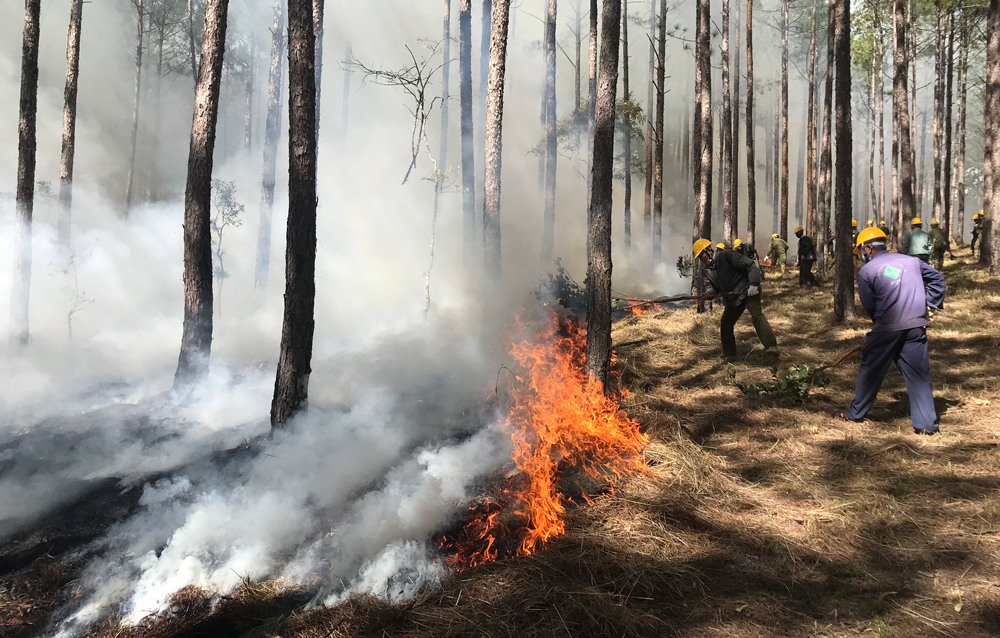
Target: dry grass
<point>759,518</point>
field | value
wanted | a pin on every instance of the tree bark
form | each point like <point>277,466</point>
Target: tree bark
<point>191,44</point>
<point>843,286</point>
<point>734,172</point>
<point>784,120</point>
<point>751,161</point>
<point>69,123</point>
<point>703,90</point>
<point>776,182</point>
<point>551,139</point>
<point>599,236</point>
<point>468,138</point>
<point>880,102</point>
<point>272,133</point>
<point>872,202</point>
<point>494,141</point>
<point>196,340</point>
<point>139,33</point>
<point>907,203</point>
<point>484,61</point>
<point>991,159</point>
<point>921,169</point>
<point>824,190</point>
<point>958,230</point>
<point>20,288</point>
<point>729,223</point>
<point>591,94</point>
<point>658,136</point>
<point>578,68</point>
<point>811,132</point>
<point>938,109</point>
<point>946,221</point>
<point>800,173</point>
<point>318,10</point>
<point>628,133</point>
<point>291,385</point>
<point>647,206</point>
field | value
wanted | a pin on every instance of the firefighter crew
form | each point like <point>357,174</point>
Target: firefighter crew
<point>917,242</point>
<point>898,292</point>
<point>777,252</point>
<point>731,271</point>
<point>977,232</point>
<point>939,244</point>
<point>806,258</point>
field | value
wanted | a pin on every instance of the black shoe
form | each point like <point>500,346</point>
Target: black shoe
<point>926,432</point>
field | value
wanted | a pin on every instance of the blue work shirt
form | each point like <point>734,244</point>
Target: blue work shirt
<point>896,290</point>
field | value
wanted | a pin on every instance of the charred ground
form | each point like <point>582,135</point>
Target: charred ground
<point>763,516</point>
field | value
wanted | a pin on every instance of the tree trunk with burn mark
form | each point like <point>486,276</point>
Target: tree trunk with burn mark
<point>811,132</point>
<point>551,153</point>
<point>69,123</point>
<point>784,120</point>
<point>494,142</point>
<point>658,138</point>
<point>627,151</point>
<point>843,284</point>
<point>907,203</point>
<point>824,187</point>
<point>468,139</point>
<point>647,206</point>
<point>751,161</point>
<point>703,90</point>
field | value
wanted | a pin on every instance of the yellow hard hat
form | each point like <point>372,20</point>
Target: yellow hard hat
<point>700,246</point>
<point>720,246</point>
<point>854,223</point>
<point>737,243</point>
<point>867,235</point>
<point>775,236</point>
<point>977,215</point>
<point>871,223</point>
<point>882,223</point>
<point>916,221</point>
<point>798,229</point>
<point>935,223</point>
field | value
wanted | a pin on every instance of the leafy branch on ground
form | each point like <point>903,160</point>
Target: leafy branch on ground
<point>794,386</point>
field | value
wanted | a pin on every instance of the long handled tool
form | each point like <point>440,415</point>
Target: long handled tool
<point>638,301</point>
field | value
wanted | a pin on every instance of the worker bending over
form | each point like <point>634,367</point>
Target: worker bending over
<point>731,271</point>
<point>777,251</point>
<point>897,291</point>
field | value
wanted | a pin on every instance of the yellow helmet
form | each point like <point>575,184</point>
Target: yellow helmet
<point>720,246</point>
<point>871,223</point>
<point>700,246</point>
<point>775,236</point>
<point>977,215</point>
<point>882,223</point>
<point>867,235</point>
<point>854,223</point>
<point>737,243</point>
<point>934,222</point>
<point>798,229</point>
<point>916,221</point>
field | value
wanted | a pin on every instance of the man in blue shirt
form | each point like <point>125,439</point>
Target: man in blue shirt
<point>897,291</point>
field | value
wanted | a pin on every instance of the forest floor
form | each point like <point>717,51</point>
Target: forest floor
<point>762,515</point>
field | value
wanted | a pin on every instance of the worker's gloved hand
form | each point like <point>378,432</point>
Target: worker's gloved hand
<point>932,311</point>
<point>753,290</point>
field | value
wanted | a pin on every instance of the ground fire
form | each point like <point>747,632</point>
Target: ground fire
<point>568,438</point>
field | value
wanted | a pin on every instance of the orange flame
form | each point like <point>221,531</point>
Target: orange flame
<point>560,422</point>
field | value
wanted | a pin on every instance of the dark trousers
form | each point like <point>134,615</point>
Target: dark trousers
<point>908,350</point>
<point>806,273</point>
<point>732,314</point>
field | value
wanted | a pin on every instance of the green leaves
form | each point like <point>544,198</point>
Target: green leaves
<point>794,386</point>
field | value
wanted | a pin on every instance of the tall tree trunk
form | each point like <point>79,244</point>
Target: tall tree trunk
<point>751,162</point>
<point>946,221</point>
<point>468,138</point>
<point>291,385</point>
<point>140,31</point>
<point>20,288</point>
<point>551,138</point>
<point>543,115</point>
<point>196,340</point>
<point>907,203</point>
<point>272,133</point>
<point>800,173</point>
<point>734,173</point>
<point>911,35</point>
<point>784,120</point>
<point>729,223</point>
<point>248,118</point>
<point>69,123</point>
<point>658,136</point>
<point>825,185</point>
<point>318,10</point>
<point>843,285</point>
<point>647,205</point>
<point>494,140</point>
<point>938,108</point>
<point>811,132</point>
<point>484,62</point>
<point>776,183</point>
<point>703,90</point>
<point>873,199</point>
<point>192,48</point>
<point>958,230</point>
<point>599,236</point>
<point>441,163</point>
<point>880,102</point>
<point>628,131</point>
<point>591,93</point>
<point>991,159</point>
<point>921,168</point>
<point>578,61</point>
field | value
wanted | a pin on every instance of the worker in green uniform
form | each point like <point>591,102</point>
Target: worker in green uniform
<point>777,252</point>
<point>939,244</point>
<point>917,242</point>
<point>854,231</point>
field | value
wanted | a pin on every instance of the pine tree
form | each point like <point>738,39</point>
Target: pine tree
<point>494,140</point>
<point>843,283</point>
<point>69,122</point>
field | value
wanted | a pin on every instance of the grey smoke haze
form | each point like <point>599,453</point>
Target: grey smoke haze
<point>394,441</point>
